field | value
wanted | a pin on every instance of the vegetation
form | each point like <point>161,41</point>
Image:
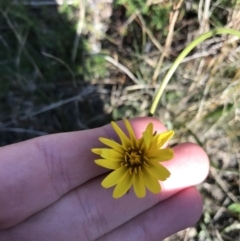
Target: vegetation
<point>72,66</point>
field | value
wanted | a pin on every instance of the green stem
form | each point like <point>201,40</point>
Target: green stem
<point>182,55</point>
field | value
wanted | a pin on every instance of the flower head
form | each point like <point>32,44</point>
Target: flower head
<point>135,162</point>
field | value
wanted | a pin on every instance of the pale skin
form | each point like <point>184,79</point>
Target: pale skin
<point>50,190</point>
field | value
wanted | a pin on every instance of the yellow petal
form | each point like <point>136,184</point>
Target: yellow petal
<point>123,186</point>
<point>141,145</point>
<point>151,182</point>
<point>124,139</point>
<point>147,135</point>
<point>158,171</point>
<point>147,140</point>
<point>111,154</point>
<point>162,138</point>
<point>97,151</point>
<point>149,128</point>
<point>114,177</point>
<point>108,164</point>
<point>116,146</point>
<point>138,185</point>
<point>130,130</point>
<point>161,155</point>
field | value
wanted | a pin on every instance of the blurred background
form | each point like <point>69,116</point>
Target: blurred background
<point>74,65</point>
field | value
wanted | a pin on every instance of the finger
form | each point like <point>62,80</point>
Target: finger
<point>90,211</point>
<point>36,173</point>
<point>164,219</point>
<point>190,164</point>
<point>176,213</point>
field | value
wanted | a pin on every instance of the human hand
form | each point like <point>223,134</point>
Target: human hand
<point>50,190</point>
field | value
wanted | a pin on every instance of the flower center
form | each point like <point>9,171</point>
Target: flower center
<point>134,160</point>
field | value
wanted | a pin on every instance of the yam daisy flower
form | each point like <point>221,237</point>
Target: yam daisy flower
<point>135,162</point>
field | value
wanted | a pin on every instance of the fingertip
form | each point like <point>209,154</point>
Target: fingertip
<point>189,167</point>
<point>199,161</point>
<point>139,124</point>
<point>184,210</point>
<point>195,202</point>
<point>142,122</point>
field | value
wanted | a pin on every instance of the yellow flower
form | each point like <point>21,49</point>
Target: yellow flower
<point>135,162</point>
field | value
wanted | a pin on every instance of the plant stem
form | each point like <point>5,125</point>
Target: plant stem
<point>182,55</point>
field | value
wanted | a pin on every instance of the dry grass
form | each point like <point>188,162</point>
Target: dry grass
<point>201,103</point>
